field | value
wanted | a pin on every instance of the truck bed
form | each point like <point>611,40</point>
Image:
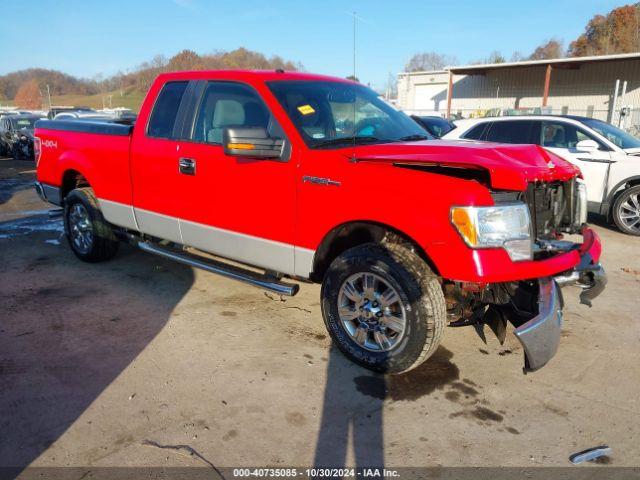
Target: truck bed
<point>97,149</point>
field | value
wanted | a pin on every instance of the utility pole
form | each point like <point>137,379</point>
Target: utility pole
<point>49,96</point>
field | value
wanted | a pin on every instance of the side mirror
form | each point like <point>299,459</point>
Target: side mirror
<point>587,146</point>
<point>253,142</point>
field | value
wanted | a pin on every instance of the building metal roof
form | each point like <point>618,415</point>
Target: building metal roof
<point>570,62</point>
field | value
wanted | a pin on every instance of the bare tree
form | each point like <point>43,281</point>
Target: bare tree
<point>550,49</point>
<point>429,61</point>
<point>494,57</point>
<point>517,57</point>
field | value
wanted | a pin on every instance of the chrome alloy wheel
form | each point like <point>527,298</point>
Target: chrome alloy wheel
<point>371,311</point>
<point>80,229</point>
<point>630,212</point>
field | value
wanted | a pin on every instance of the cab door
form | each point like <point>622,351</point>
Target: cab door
<point>240,208</point>
<point>155,163</point>
<point>563,138</point>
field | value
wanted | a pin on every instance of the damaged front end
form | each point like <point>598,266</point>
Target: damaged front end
<point>534,306</point>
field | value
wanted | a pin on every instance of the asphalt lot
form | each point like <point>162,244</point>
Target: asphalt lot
<point>106,364</point>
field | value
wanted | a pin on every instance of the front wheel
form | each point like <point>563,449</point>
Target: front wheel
<point>626,211</point>
<point>384,307</point>
<point>90,236</point>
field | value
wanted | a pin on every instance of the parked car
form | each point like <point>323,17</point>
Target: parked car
<point>607,156</point>
<point>436,126</point>
<point>96,117</point>
<point>402,233</point>
<point>53,111</point>
<point>82,114</point>
<point>16,136</point>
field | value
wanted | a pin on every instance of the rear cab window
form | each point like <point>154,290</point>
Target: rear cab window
<point>505,131</point>
<point>162,121</point>
<point>518,132</point>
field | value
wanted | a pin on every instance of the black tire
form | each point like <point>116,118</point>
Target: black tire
<point>103,244</point>
<point>620,208</point>
<point>3,150</point>
<point>420,294</point>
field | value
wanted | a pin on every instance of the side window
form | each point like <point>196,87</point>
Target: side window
<point>510,132</point>
<point>226,104</point>
<point>163,116</point>
<point>563,135</point>
<point>477,132</point>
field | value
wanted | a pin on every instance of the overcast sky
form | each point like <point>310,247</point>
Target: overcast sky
<point>90,37</point>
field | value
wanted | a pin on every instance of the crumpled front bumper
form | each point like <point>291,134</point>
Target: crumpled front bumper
<point>540,336</point>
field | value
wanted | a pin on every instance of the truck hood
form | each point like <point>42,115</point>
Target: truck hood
<point>510,167</point>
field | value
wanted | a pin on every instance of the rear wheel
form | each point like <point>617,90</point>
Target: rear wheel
<point>626,211</point>
<point>90,236</point>
<point>384,307</point>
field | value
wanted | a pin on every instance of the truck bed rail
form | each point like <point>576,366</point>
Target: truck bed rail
<point>86,126</point>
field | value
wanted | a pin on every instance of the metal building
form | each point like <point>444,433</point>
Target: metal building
<point>605,87</point>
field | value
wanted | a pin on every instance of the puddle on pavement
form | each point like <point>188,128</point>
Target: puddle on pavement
<point>437,373</point>
<point>38,222</point>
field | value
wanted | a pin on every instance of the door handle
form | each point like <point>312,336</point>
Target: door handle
<point>187,166</point>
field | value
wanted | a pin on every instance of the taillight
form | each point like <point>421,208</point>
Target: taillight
<point>37,149</point>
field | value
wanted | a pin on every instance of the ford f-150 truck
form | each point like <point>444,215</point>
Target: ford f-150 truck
<point>311,178</point>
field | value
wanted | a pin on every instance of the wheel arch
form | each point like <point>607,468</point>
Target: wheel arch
<point>353,233</point>
<point>607,206</point>
<point>72,178</point>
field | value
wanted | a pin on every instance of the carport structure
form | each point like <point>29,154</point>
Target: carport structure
<point>596,86</point>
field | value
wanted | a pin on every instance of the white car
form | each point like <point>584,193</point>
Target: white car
<point>608,157</point>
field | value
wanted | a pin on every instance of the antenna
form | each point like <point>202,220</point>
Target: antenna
<point>353,128</point>
<point>354,45</point>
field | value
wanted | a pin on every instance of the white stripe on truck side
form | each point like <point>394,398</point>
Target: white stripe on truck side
<point>260,252</point>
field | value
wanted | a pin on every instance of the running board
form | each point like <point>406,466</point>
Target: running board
<point>230,271</point>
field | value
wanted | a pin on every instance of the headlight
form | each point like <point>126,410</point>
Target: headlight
<point>23,138</point>
<point>503,226</point>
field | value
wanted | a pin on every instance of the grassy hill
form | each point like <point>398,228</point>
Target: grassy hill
<point>130,99</point>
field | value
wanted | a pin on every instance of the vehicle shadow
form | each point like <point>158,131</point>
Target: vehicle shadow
<point>601,221</point>
<point>349,415</point>
<point>68,330</point>
<point>354,401</point>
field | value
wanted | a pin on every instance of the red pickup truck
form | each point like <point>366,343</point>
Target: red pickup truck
<point>314,178</point>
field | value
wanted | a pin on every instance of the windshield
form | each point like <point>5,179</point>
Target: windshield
<point>336,114</point>
<point>27,123</point>
<point>616,136</point>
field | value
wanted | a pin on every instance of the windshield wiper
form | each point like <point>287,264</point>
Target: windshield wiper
<point>348,141</point>
<point>414,138</point>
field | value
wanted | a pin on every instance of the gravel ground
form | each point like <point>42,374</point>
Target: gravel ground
<point>143,362</point>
